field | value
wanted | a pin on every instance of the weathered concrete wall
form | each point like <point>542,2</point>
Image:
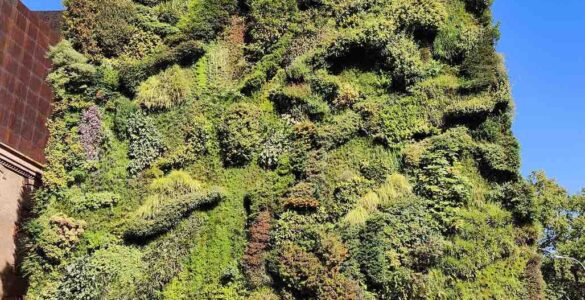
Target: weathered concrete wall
<point>14,197</point>
<point>25,97</point>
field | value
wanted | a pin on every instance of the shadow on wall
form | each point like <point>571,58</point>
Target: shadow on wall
<point>14,285</point>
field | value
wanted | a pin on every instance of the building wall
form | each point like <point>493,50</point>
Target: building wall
<point>14,197</point>
<point>25,97</point>
<point>25,105</point>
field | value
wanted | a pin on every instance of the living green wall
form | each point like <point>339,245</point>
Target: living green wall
<point>280,149</point>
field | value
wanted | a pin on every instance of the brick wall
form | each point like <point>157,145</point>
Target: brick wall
<point>25,97</point>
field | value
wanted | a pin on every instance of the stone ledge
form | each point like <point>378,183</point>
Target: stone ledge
<point>19,163</point>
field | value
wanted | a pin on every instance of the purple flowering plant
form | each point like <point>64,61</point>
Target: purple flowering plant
<point>90,131</point>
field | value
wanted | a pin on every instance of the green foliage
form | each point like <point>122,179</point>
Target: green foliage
<point>395,122</point>
<point>171,198</point>
<point>404,61</point>
<point>270,19</point>
<point>562,217</point>
<point>145,142</point>
<point>125,109</point>
<point>346,195</point>
<point>500,161</point>
<point>206,18</point>
<point>239,134</point>
<point>516,197</point>
<point>99,28</point>
<point>438,178</point>
<point>399,244</point>
<point>479,265</point>
<point>339,130</point>
<point>298,101</point>
<point>93,201</point>
<point>110,273</point>
<point>134,72</point>
<point>478,6</point>
<point>395,188</point>
<point>164,217</point>
<point>165,90</point>
<point>57,236</point>
<point>306,276</point>
<point>71,71</point>
<point>177,183</point>
<point>364,150</point>
<point>457,36</point>
<point>172,11</point>
<point>482,67</point>
<point>195,138</point>
<point>272,150</point>
<point>419,16</point>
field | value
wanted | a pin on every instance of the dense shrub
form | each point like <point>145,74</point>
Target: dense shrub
<point>206,18</point>
<point>92,201</point>
<point>99,28</point>
<point>421,17</point>
<point>167,215</point>
<point>400,244</point>
<point>500,162</point>
<point>134,72</point>
<point>325,85</point>
<point>396,122</point>
<point>71,71</point>
<point>518,198</point>
<point>478,6</point>
<point>346,195</point>
<point>404,61</point>
<point>272,150</point>
<point>482,66</point>
<point>196,136</point>
<point>269,20</point>
<point>305,276</point>
<point>457,36</point>
<point>470,111</point>
<point>140,45</point>
<point>297,101</point>
<point>341,129</point>
<point>165,90</point>
<point>171,11</point>
<point>266,68</point>
<point>150,2</point>
<point>58,236</point>
<point>239,134</point>
<point>437,177</point>
<point>145,142</point>
<point>110,273</point>
<point>125,109</point>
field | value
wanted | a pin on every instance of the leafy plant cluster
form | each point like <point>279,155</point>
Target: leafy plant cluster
<point>280,149</point>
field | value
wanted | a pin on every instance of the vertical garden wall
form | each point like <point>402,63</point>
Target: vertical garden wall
<point>280,149</point>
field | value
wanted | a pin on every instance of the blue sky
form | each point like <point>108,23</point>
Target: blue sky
<point>544,46</point>
<point>43,4</point>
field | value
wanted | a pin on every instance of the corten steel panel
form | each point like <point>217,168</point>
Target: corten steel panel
<point>25,97</point>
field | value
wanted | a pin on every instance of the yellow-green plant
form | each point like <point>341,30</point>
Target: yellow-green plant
<point>165,90</point>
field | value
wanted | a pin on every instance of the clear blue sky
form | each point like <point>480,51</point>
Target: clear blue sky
<point>43,4</point>
<point>544,46</point>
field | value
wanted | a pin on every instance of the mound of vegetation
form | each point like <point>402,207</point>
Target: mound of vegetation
<point>291,149</point>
